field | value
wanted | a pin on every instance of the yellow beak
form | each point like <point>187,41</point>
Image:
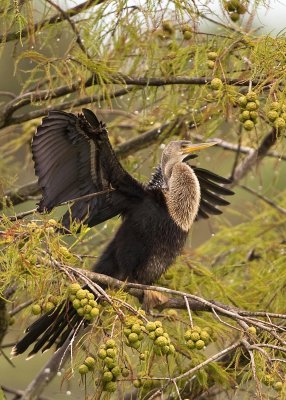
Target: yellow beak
<point>198,147</point>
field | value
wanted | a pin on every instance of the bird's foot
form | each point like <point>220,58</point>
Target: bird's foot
<point>153,299</point>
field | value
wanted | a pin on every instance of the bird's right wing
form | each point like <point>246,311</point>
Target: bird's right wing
<point>73,158</point>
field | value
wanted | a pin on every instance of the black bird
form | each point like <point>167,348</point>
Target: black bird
<point>73,158</point>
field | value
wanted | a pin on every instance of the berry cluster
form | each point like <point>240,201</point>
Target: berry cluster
<point>235,9</point>
<point>46,306</point>
<point>249,106</point>
<point>107,353</point>
<point>162,343</point>
<point>269,380</point>
<point>197,338</point>
<point>212,56</point>
<point>83,301</point>
<point>133,332</point>
<point>87,366</point>
<point>277,114</point>
<point>187,32</point>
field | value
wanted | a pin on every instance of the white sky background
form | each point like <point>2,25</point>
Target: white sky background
<point>272,18</point>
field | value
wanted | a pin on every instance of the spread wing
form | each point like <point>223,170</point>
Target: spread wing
<point>211,190</point>
<point>73,158</point>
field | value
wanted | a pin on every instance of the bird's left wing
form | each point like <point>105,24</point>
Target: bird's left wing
<point>73,158</point>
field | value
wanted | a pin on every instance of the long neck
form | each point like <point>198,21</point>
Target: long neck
<point>183,195</point>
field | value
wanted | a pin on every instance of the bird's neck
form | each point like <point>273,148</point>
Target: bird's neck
<point>183,195</point>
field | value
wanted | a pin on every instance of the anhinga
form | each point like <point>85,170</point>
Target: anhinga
<point>73,158</point>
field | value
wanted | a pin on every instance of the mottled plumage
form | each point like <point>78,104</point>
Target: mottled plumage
<point>73,157</point>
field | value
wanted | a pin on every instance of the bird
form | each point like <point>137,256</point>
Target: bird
<point>73,159</point>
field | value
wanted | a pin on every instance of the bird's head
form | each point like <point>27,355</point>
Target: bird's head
<point>179,151</point>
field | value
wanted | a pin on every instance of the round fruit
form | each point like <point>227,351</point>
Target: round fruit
<point>76,304</point>
<point>216,84</point>
<point>116,371</point>
<point>109,362</point>
<point>253,115</point>
<point>110,387</point>
<point>279,123</point>
<point>135,345</point>
<point>251,96</point>
<point>251,106</point>
<point>245,115</point>
<point>84,301</point>
<point>275,106</point>
<point>125,372</point>
<point>195,336</point>
<point>94,312</point>
<point>137,383</point>
<point>83,369</point>
<point>272,115</point>
<point>200,344</point>
<point>133,337</point>
<point>278,386</point>
<point>136,328</point>
<point>242,101</point>
<point>87,309</point>
<point>80,311</point>
<point>212,55</point>
<point>111,353</point>
<point>205,336</point>
<point>49,306</point>
<point>158,324</point>
<point>36,309</point>
<point>159,332</point>
<point>102,354</point>
<point>161,341</point>
<point>197,329</point>
<point>229,6</point>
<point>150,326</point>
<point>252,330</point>
<point>80,294</point>
<point>107,376</point>
<point>248,125</point>
<point>152,335</point>
<point>89,362</point>
<point>191,344</point>
<point>187,335</point>
<point>110,343</point>
<point>187,35</point>
<point>234,16</point>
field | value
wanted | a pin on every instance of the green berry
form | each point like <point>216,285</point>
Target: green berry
<point>80,311</point>
<point>159,332</point>
<point>74,288</point>
<point>150,326</point>
<point>248,125</point>
<point>110,387</point>
<point>109,362</point>
<point>111,352</point>
<point>251,106</point>
<point>133,337</point>
<point>190,344</point>
<point>116,371</point>
<point>279,123</point>
<point>158,324</point>
<point>205,336</point>
<point>152,335</point>
<point>253,115</point>
<point>107,376</point>
<point>187,35</point>
<point>187,334</point>
<point>110,343</point>
<point>81,294</point>
<point>90,362</point>
<point>242,101</point>
<point>92,303</point>
<point>135,345</point>
<point>268,380</point>
<point>216,84</point>
<point>197,329</point>
<point>275,106</point>
<point>167,27</point>
<point>36,309</point>
<point>49,306</point>
<point>278,386</point>
<point>83,369</point>
<point>125,372</point>
<point>87,309</point>
<point>234,16</point>
<point>127,331</point>
<point>229,6</point>
<point>76,304</point>
<point>210,64</point>
<point>272,115</point>
<point>161,341</point>
<point>84,301</point>
<point>136,328</point>
<point>245,115</point>
<point>252,330</point>
<point>94,312</point>
<point>90,296</point>
<point>251,96</point>
<point>212,55</point>
<point>72,297</point>
<point>195,336</point>
<point>172,349</point>
<point>88,317</point>
<point>102,354</point>
<point>200,344</point>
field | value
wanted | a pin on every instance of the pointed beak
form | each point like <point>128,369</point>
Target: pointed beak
<point>197,147</point>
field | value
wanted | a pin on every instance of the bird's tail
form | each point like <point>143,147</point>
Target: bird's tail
<point>54,327</point>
